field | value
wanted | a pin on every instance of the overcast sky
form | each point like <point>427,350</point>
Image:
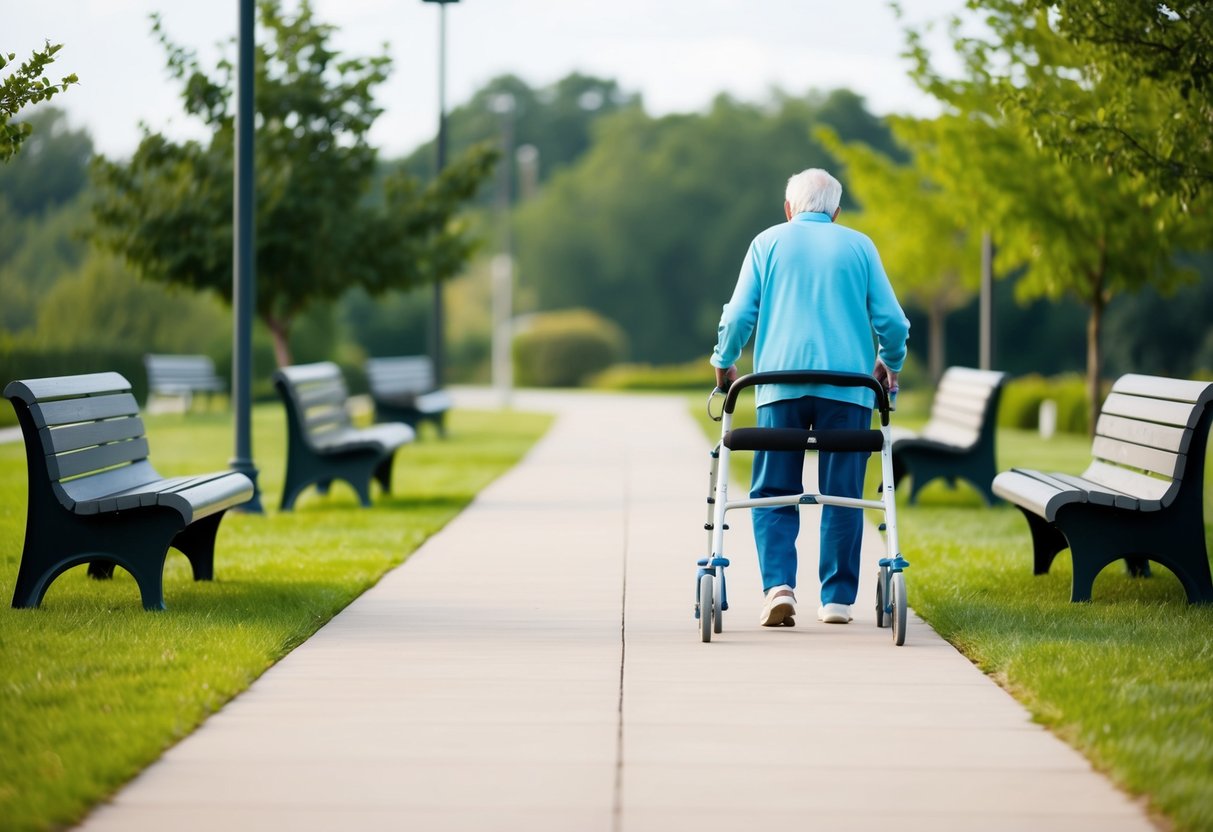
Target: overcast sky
<point>677,53</point>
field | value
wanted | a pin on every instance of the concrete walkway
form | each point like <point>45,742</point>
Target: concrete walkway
<point>535,666</point>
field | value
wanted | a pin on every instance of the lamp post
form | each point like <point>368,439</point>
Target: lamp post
<point>436,329</point>
<point>243,275</point>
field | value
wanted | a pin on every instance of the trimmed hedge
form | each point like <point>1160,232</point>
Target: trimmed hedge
<point>565,348</point>
<point>25,362</point>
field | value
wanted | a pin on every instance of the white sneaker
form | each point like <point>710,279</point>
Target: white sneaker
<point>780,607</point>
<point>834,613</point>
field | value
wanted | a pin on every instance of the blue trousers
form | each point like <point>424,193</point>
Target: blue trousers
<point>779,473</point>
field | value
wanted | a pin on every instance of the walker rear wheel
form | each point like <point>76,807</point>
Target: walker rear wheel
<point>707,612</point>
<point>898,587</point>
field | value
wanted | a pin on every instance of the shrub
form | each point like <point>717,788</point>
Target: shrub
<point>20,362</point>
<point>1021,399</point>
<point>563,349</point>
<point>693,375</point>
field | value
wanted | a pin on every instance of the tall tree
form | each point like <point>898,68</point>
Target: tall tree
<point>52,167</point>
<point>925,241</point>
<point>1147,69</point>
<point>1082,230</point>
<point>649,227</point>
<point>318,233</point>
<point>26,84</point>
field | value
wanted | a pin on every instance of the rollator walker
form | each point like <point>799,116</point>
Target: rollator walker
<point>711,595</point>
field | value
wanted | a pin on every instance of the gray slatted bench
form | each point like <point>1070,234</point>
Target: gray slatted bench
<point>322,443</point>
<point>958,440</point>
<point>181,376</point>
<point>1142,495</point>
<point>94,496</point>
<point>402,388</point>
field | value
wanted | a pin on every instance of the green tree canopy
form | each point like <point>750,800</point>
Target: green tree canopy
<point>26,84</point>
<point>1082,230</point>
<point>649,228</point>
<point>925,241</point>
<point>52,167</point>
<point>1145,71</point>
<point>318,233</point>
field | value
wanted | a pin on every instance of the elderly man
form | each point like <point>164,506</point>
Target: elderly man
<point>814,292</point>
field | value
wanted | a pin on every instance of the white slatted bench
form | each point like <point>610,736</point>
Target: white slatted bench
<point>958,441</point>
<point>322,443</point>
<point>1140,498</point>
<point>181,376</point>
<point>402,388</point>
<point>94,496</point>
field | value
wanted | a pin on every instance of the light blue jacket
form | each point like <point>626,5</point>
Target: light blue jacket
<point>815,292</point>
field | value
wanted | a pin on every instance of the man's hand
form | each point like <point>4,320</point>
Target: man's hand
<point>724,378</point>
<point>886,377</point>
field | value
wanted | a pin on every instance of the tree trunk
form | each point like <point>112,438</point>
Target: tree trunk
<point>280,332</point>
<point>936,343</point>
<point>1094,348</point>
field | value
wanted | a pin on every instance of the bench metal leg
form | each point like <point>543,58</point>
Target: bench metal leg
<point>56,541</point>
<point>383,473</point>
<point>1047,541</point>
<point>197,542</point>
<point>1173,537</point>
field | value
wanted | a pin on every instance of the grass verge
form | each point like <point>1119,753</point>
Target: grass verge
<point>1127,679</point>
<point>93,689</point>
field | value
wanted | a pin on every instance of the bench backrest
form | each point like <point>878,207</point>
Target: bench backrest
<point>400,374</point>
<point>315,396</point>
<point>176,373</point>
<point>1146,435</point>
<point>83,434</point>
<point>965,409</point>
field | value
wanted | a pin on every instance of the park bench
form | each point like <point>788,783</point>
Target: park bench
<point>1140,498</point>
<point>322,443</point>
<point>402,388</point>
<point>958,440</point>
<point>181,376</point>
<point>94,496</point>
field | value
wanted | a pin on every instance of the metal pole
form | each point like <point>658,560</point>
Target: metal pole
<point>436,330</point>
<point>243,275</point>
<point>986,304</point>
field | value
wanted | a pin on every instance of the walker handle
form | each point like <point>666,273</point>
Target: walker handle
<point>810,377</point>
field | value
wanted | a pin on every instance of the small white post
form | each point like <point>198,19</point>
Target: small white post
<point>503,360</point>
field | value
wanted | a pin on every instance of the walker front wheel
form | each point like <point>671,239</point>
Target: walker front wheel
<point>707,612</point>
<point>898,591</point>
<point>718,605</point>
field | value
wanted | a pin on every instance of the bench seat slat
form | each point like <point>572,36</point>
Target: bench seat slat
<point>95,459</point>
<point>89,490</point>
<point>957,419</point>
<point>1101,495</point>
<point>947,434</point>
<point>1138,456</point>
<point>385,436</point>
<point>1022,488</point>
<point>1141,486</point>
<point>88,434</point>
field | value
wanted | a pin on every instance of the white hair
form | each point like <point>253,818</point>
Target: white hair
<point>814,190</point>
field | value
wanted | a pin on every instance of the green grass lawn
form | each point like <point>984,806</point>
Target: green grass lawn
<point>1127,679</point>
<point>93,688</point>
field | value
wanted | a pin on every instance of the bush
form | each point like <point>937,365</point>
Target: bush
<point>1021,399</point>
<point>694,375</point>
<point>563,349</point>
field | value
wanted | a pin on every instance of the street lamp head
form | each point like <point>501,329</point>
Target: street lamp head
<point>440,2</point>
